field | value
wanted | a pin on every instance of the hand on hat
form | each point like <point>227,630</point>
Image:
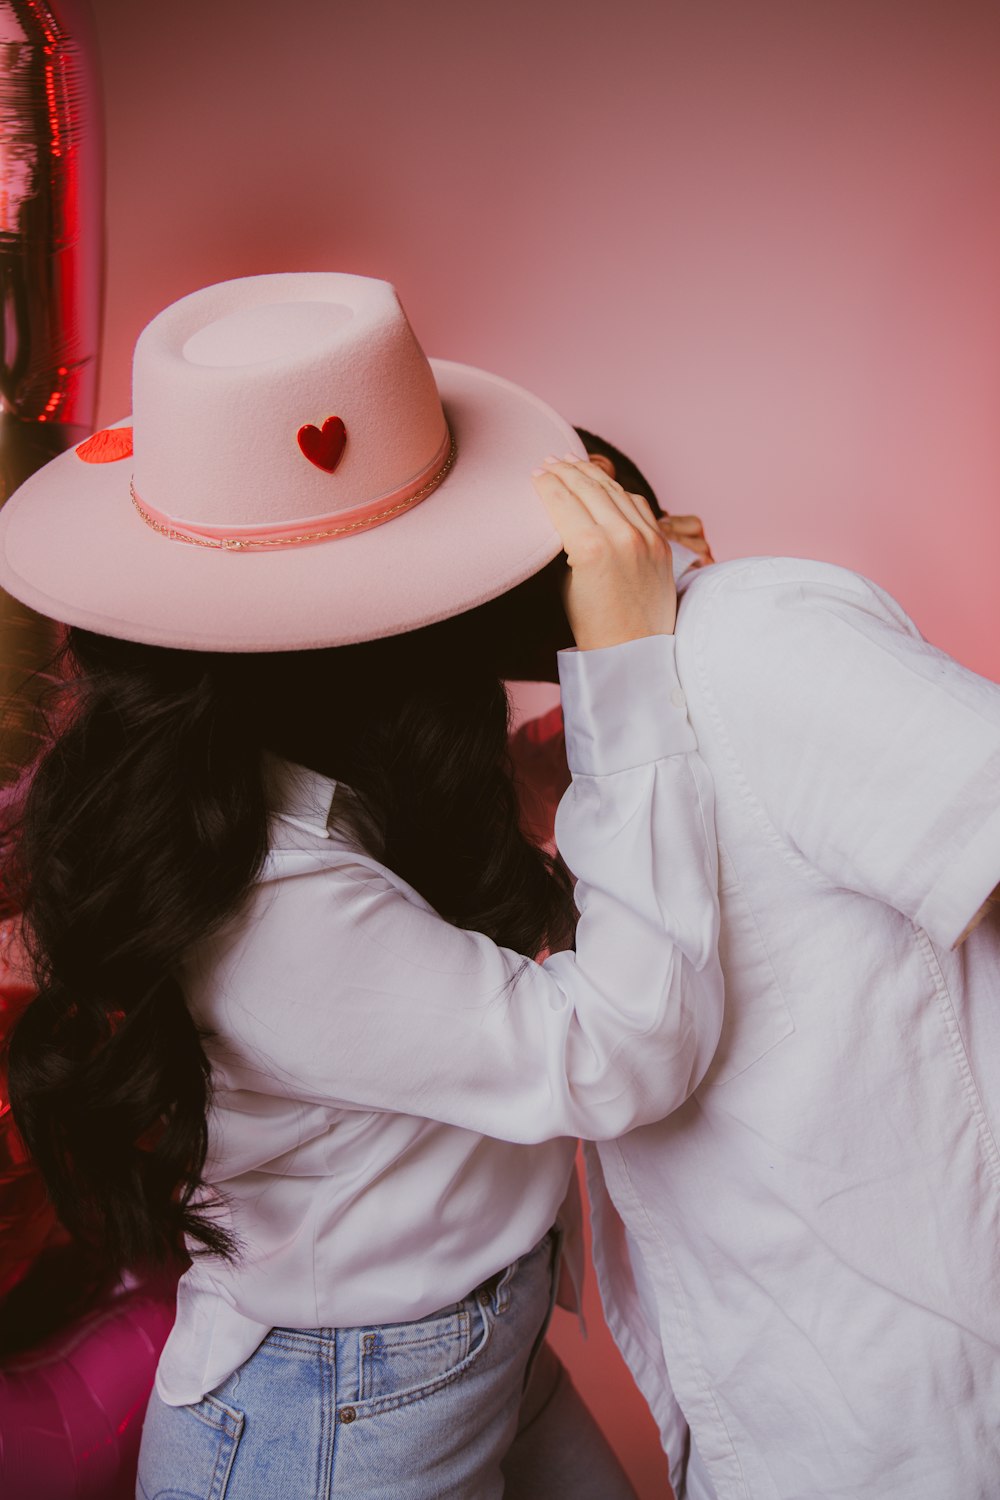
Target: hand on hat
<point>621,583</point>
<point>690,532</point>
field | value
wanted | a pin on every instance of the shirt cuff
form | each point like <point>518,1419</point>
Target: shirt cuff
<point>964,887</point>
<point>623,706</point>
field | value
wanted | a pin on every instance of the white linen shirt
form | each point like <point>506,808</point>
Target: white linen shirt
<point>818,1225</point>
<point>395,1098</point>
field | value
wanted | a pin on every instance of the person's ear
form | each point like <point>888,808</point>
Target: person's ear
<point>603,462</point>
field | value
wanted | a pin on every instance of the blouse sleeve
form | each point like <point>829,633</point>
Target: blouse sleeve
<point>349,990</point>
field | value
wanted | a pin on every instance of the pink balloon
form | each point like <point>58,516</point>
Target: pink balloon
<point>71,1410</point>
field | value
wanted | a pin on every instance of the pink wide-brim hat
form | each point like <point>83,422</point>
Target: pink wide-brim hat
<point>295,474</point>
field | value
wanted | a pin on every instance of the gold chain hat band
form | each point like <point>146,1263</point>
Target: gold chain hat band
<point>253,540</point>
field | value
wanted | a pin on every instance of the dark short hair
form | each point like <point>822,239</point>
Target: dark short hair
<point>628,473</point>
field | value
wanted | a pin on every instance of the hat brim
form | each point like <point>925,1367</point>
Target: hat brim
<point>73,547</point>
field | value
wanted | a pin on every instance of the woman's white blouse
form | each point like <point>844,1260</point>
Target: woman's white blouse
<point>395,1098</point>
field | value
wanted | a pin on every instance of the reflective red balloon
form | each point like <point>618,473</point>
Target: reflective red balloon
<point>51,274</point>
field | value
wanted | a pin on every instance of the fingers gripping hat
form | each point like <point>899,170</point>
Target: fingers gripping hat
<point>295,474</point>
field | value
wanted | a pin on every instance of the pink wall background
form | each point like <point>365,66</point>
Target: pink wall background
<point>755,244</point>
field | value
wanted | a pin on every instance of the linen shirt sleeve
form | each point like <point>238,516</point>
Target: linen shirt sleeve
<point>874,756</point>
<point>380,1004</point>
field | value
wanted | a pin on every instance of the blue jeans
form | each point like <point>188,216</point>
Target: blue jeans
<point>408,1411</point>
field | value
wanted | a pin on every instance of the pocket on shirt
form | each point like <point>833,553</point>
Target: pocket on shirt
<point>756,1015</point>
<point>187,1452</point>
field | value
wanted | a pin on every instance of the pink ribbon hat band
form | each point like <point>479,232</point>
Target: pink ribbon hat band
<point>296,473</point>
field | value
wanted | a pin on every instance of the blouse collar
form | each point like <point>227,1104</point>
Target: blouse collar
<point>298,795</point>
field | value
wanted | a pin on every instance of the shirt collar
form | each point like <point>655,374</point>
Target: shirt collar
<point>298,795</point>
<point>683,560</point>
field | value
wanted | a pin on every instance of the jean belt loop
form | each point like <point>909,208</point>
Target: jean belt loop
<point>501,1301</point>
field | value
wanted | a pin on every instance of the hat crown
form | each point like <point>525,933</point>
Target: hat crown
<point>225,380</point>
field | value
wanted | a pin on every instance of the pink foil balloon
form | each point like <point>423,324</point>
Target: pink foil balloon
<point>71,1408</point>
<point>71,1411</point>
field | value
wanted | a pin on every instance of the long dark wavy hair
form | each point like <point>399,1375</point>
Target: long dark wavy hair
<point>144,825</point>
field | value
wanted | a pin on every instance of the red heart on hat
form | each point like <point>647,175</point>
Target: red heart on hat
<point>106,446</point>
<point>324,446</point>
